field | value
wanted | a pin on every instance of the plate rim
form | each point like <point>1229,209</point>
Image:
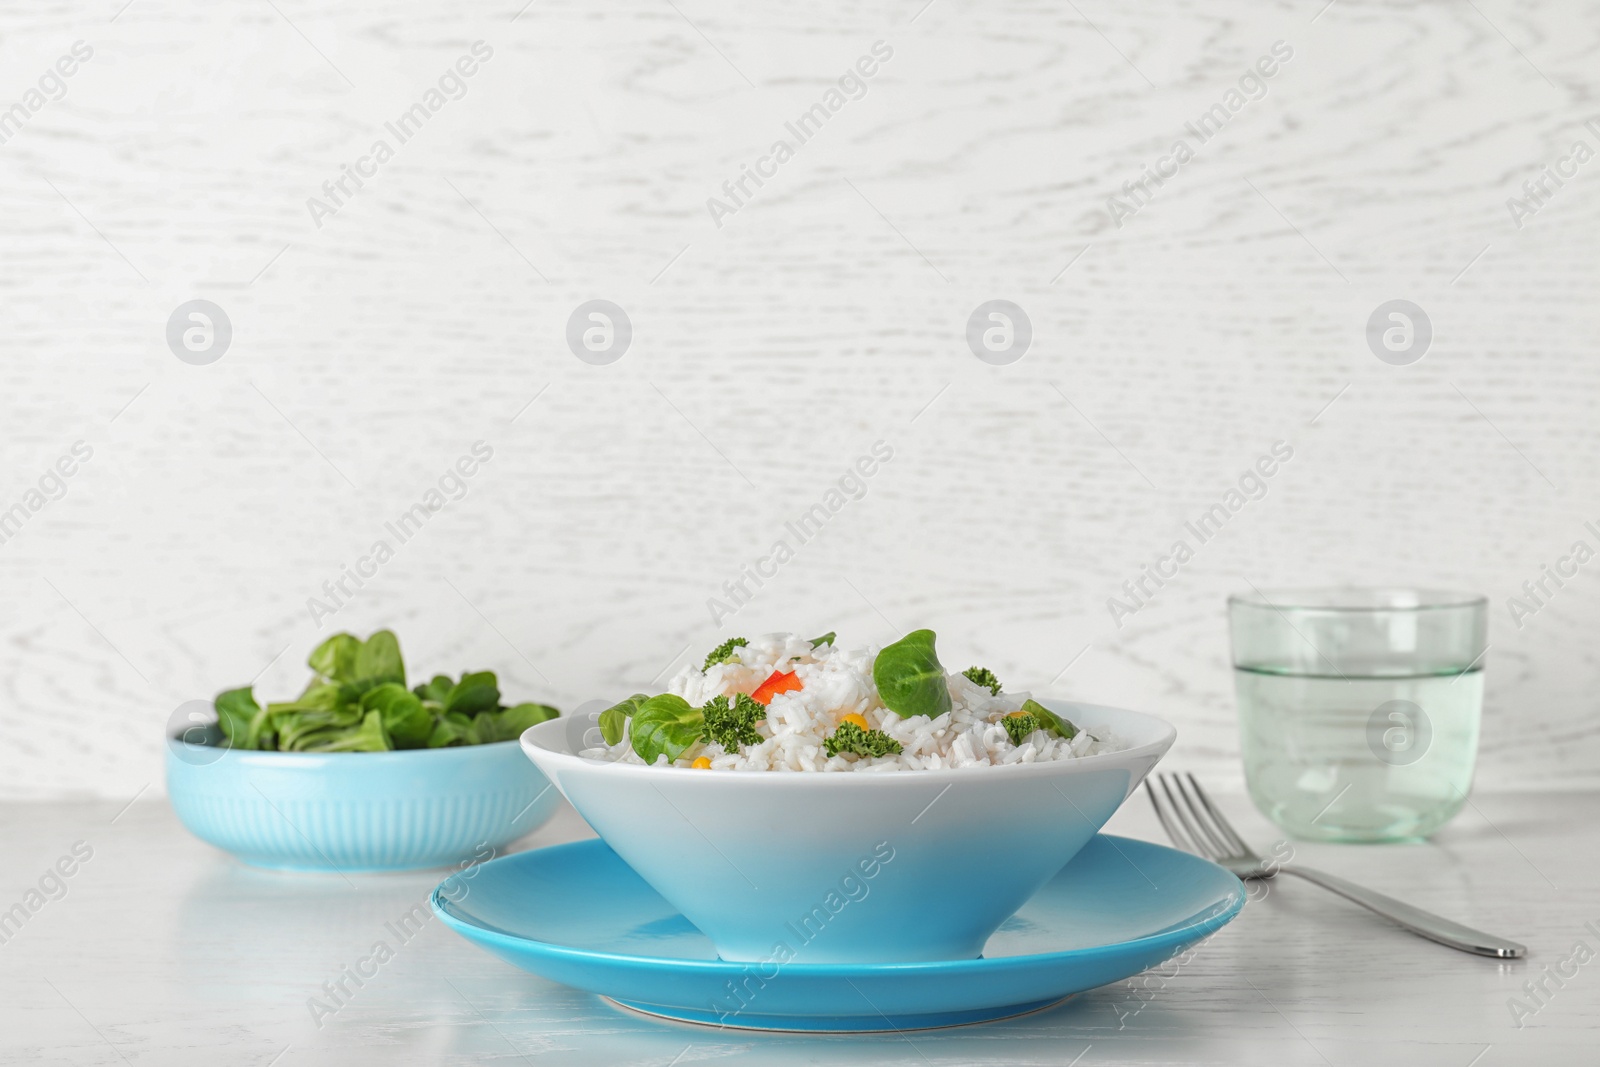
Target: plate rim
<point>1023,1012</point>
<point>1237,896</point>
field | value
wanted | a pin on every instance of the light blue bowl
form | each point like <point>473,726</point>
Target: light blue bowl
<point>358,811</point>
<point>903,867</point>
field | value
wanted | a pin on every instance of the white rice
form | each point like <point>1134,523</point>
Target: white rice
<point>836,683</point>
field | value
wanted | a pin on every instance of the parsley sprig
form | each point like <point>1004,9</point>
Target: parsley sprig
<point>723,652</point>
<point>982,676</point>
<point>851,738</point>
<point>732,725</point>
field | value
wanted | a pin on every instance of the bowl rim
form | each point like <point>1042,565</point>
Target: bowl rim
<point>1158,747</point>
<point>309,759</point>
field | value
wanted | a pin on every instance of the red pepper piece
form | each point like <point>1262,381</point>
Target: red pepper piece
<point>777,682</point>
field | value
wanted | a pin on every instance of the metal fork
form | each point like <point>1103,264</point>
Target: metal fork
<point>1195,825</point>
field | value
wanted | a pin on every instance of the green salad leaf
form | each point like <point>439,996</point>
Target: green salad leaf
<point>474,693</point>
<point>825,639</point>
<point>378,659</point>
<point>406,721</point>
<point>665,725</point>
<point>507,724</point>
<point>1049,720</point>
<point>909,677</point>
<point>357,701</point>
<point>614,718</point>
<point>318,696</point>
<point>335,659</point>
<point>297,729</point>
<point>370,736</point>
<point>240,718</point>
<point>435,690</point>
<point>451,728</point>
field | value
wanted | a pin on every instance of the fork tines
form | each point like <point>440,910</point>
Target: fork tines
<point>1191,820</point>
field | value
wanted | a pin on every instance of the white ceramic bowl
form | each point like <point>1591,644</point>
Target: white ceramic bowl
<point>851,867</point>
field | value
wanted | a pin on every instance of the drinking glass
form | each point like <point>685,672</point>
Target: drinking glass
<point>1359,708</point>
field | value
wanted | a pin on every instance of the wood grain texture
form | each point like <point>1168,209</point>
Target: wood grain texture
<point>164,950</point>
<point>827,314</point>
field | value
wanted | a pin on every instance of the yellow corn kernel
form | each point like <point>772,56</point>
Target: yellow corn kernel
<point>857,719</point>
<point>702,764</point>
<point>1015,714</point>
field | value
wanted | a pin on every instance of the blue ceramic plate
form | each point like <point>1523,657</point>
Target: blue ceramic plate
<point>577,914</point>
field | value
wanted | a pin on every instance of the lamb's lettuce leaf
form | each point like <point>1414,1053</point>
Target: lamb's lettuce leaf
<point>1049,720</point>
<point>615,718</point>
<point>909,677</point>
<point>378,659</point>
<point>665,725</point>
<point>357,701</point>
<point>335,658</point>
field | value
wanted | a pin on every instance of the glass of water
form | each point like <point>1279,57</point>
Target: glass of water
<point>1359,708</point>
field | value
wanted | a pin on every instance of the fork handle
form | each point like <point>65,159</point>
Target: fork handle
<point>1426,923</point>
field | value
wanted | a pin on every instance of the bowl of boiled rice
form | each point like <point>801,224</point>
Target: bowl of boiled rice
<point>799,801</point>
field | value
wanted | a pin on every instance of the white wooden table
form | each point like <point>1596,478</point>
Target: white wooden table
<point>165,951</point>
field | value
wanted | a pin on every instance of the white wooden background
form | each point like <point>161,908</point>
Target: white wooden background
<point>769,353</point>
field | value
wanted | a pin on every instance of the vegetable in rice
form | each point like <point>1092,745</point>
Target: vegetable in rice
<point>783,703</point>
